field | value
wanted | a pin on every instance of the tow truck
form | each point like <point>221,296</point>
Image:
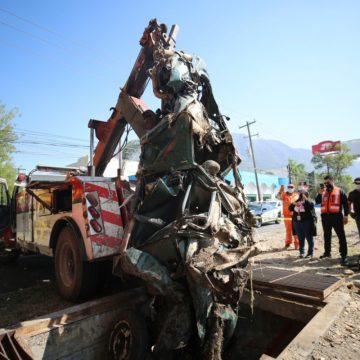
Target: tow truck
<point>63,212</point>
<point>78,215</point>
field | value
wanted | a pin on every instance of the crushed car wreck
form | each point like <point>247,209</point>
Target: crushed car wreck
<point>189,235</point>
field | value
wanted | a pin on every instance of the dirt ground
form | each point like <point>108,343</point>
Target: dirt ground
<point>26,283</point>
<point>342,340</point>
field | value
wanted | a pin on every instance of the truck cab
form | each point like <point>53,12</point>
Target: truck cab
<point>63,213</point>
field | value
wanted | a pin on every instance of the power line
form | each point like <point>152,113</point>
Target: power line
<point>40,133</point>
<point>24,136</point>
<point>48,143</point>
<point>39,38</point>
<point>29,22</point>
<point>51,59</point>
<point>57,154</point>
<point>31,35</point>
<point>98,57</point>
<point>33,142</point>
<point>49,150</point>
<point>43,28</point>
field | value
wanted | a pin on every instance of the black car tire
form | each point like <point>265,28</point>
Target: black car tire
<point>76,279</point>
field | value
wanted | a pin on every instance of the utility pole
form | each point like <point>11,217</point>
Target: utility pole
<point>289,173</point>
<point>253,156</point>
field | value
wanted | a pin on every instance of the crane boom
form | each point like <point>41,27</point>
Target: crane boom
<point>129,107</point>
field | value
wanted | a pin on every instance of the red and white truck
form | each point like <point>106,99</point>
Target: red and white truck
<point>76,218</point>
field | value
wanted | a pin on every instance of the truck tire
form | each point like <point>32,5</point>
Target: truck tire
<point>76,279</point>
<point>129,339</point>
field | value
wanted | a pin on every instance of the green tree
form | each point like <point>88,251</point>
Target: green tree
<point>7,139</point>
<point>297,172</point>
<point>335,164</point>
<point>347,183</point>
<point>300,175</point>
<point>320,164</point>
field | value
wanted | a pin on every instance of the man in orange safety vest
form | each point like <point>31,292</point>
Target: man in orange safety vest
<point>334,215</point>
<point>287,198</point>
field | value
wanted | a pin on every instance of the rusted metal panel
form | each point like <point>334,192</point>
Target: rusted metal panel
<point>268,275</point>
<point>302,283</point>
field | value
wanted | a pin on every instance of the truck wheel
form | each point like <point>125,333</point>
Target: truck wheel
<point>129,339</point>
<point>76,279</point>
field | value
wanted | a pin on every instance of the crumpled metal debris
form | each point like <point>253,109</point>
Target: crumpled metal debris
<point>190,237</point>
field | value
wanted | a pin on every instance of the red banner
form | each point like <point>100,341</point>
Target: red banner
<point>326,146</point>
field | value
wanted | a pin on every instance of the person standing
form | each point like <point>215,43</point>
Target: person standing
<point>354,203</point>
<point>287,198</point>
<point>334,214</point>
<point>302,209</point>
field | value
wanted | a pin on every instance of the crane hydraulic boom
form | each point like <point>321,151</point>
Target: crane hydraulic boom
<point>129,107</point>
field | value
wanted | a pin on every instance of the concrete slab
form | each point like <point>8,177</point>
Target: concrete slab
<point>291,309</point>
<point>303,344</point>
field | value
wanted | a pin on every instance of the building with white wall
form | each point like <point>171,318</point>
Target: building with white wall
<point>268,184</point>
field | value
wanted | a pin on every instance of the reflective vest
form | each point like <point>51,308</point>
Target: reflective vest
<point>287,199</point>
<point>331,202</point>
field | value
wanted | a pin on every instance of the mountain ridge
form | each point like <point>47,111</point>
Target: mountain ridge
<point>273,155</point>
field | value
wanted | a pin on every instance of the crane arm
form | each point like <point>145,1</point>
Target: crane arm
<point>129,107</point>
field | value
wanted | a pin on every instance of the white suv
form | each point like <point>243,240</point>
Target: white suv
<point>276,204</point>
<point>264,213</point>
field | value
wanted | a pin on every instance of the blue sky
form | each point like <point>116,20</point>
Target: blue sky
<point>291,65</point>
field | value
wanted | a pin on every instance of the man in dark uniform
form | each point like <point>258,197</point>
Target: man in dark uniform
<point>334,214</point>
<point>354,203</point>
